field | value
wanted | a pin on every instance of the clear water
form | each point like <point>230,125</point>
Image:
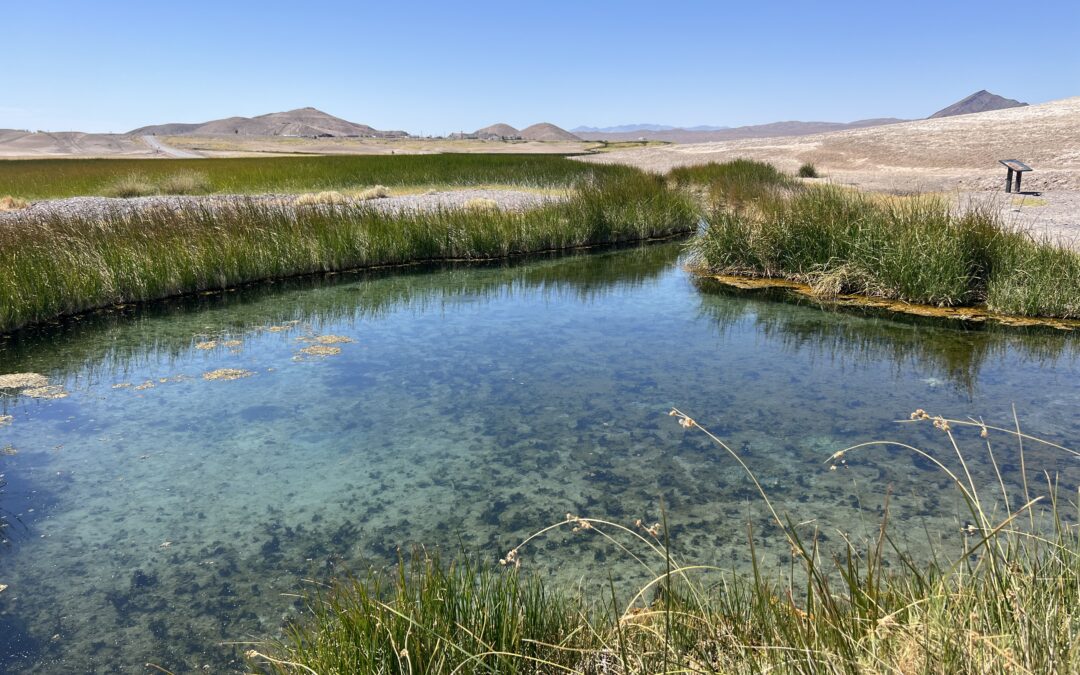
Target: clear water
<point>473,406</point>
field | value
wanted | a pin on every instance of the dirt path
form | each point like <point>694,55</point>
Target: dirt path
<point>158,146</point>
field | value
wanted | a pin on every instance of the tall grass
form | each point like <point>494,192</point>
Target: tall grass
<point>1008,602</point>
<point>915,249</point>
<point>733,182</point>
<point>427,617</point>
<point>51,178</point>
<point>66,265</point>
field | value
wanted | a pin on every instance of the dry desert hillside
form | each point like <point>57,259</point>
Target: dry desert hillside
<point>933,154</point>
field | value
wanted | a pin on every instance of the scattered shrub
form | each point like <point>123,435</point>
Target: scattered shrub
<point>735,182</point>
<point>185,183</point>
<point>808,170</point>
<point>131,185</point>
<point>376,192</point>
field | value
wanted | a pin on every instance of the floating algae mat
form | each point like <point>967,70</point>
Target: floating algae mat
<point>176,500</point>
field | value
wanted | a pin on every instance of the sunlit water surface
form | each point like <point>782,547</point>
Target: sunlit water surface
<point>155,516</point>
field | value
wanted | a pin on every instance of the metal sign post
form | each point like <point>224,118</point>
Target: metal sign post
<point>1017,167</point>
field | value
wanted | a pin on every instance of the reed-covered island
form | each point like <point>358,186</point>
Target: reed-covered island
<point>919,249</point>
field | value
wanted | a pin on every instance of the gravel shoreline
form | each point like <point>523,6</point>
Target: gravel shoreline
<point>94,208</point>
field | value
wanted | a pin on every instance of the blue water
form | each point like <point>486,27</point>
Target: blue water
<point>155,516</point>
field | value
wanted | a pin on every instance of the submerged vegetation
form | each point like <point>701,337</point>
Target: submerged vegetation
<point>66,265</point>
<point>915,249</point>
<point>1008,600</point>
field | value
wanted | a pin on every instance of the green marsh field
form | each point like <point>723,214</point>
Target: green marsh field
<point>55,178</point>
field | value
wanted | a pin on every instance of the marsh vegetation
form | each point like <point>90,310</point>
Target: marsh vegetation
<point>48,178</point>
<point>66,264</point>
<point>918,249</point>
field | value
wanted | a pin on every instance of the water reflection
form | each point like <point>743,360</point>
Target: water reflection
<point>956,352</point>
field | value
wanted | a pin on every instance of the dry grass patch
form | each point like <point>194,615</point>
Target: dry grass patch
<point>481,204</point>
<point>131,185</point>
<point>376,192</point>
<point>10,203</point>
<point>329,198</point>
<point>1029,201</point>
<point>185,183</point>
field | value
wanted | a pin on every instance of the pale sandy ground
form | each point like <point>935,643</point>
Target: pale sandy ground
<point>26,145</point>
<point>953,155</point>
<point>227,146</point>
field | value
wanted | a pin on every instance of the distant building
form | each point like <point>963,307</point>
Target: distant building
<point>488,136</point>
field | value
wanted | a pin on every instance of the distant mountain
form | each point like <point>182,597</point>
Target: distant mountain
<point>547,132</point>
<point>627,128</point>
<point>980,101</point>
<point>301,122</point>
<point>706,135</point>
<point>622,128</point>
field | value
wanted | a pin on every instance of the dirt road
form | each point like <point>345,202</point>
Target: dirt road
<point>158,146</point>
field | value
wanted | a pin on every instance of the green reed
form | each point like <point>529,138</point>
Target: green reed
<point>67,265</point>
<point>1008,602</point>
<point>915,249</point>
<point>51,178</point>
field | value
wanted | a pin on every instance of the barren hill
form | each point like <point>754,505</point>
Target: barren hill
<point>547,132</point>
<point>940,154</point>
<point>301,122</point>
<point>14,143</point>
<point>499,129</point>
<point>771,130</point>
<point>980,101</point>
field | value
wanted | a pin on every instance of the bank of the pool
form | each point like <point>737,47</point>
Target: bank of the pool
<point>838,241</point>
<point>1005,602</point>
<point>60,266</point>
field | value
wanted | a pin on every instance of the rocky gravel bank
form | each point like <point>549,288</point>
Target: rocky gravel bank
<point>93,208</point>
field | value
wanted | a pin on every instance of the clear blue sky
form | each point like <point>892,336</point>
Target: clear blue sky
<point>438,67</point>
